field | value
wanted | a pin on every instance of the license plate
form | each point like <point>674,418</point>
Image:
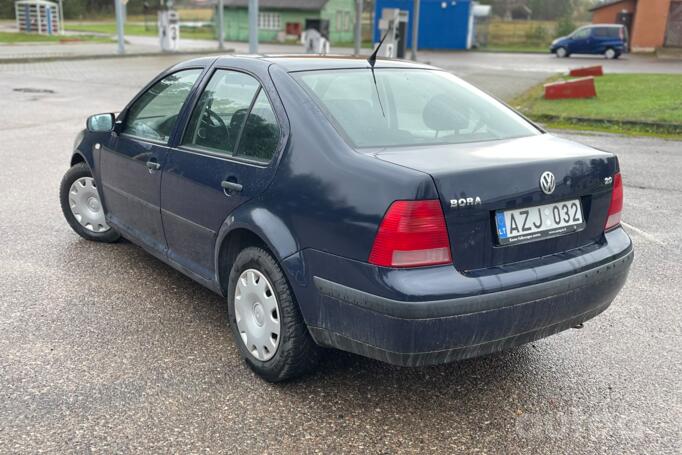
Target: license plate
<point>542,221</point>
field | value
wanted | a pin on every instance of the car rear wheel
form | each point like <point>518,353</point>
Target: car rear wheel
<point>265,320</point>
<point>610,54</point>
<point>82,206</point>
<point>561,52</point>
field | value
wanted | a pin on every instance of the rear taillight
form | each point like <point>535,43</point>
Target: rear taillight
<point>616,207</point>
<point>412,234</point>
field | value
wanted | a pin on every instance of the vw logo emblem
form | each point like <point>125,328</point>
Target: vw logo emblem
<point>547,182</point>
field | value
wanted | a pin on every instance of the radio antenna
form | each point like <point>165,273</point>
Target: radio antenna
<point>373,58</point>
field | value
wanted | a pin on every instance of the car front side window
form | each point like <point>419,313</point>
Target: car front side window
<point>154,113</point>
<point>582,33</point>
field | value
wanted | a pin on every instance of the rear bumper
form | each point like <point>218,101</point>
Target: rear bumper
<point>438,330</point>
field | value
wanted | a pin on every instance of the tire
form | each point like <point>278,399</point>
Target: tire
<point>72,197</point>
<point>561,52</point>
<point>295,352</point>
<point>610,53</point>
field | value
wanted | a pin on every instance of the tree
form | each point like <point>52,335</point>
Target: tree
<point>545,9</point>
<point>565,26</point>
<point>7,9</point>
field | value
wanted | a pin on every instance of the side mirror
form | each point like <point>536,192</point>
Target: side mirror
<point>100,123</point>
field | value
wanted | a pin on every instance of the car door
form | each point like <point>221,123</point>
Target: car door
<point>131,165</point>
<point>223,159</point>
<point>608,37</point>
<point>580,41</point>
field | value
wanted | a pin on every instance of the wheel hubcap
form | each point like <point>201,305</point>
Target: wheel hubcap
<point>85,205</point>
<point>257,314</point>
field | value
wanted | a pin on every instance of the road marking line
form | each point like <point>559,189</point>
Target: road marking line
<point>646,235</point>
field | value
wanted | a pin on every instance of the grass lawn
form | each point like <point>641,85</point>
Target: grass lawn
<point>12,38</point>
<point>630,103</point>
<point>138,29</point>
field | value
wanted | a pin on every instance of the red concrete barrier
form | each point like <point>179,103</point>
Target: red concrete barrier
<point>574,88</point>
<point>587,71</point>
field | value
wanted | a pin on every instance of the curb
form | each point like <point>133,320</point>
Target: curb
<point>42,59</point>
<point>670,128</point>
<point>669,54</point>
<point>509,51</point>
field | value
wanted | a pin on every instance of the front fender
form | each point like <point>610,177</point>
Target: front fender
<point>81,150</point>
<point>87,147</point>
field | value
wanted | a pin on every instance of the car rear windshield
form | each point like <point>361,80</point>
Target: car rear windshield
<point>406,107</point>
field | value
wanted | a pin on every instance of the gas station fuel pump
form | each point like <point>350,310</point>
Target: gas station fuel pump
<point>169,27</point>
<point>394,22</point>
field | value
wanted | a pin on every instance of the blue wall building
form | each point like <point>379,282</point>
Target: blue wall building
<point>442,24</point>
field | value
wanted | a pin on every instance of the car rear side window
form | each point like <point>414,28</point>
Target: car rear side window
<point>606,32</point>
<point>233,117</point>
<point>154,113</point>
<point>408,107</point>
<point>260,135</point>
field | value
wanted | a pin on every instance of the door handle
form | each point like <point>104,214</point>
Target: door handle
<point>231,187</point>
<point>153,165</point>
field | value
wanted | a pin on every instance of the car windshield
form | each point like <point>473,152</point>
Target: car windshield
<point>410,107</point>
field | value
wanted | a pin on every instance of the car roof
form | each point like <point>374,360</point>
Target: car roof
<point>308,62</point>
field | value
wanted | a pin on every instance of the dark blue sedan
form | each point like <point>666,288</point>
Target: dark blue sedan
<point>389,210</point>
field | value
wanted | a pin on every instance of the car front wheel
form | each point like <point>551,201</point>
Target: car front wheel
<point>82,205</point>
<point>561,52</point>
<point>265,320</point>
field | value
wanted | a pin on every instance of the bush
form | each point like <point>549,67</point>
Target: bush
<point>565,26</point>
<point>537,35</point>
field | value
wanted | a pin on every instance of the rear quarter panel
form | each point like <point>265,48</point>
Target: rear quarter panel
<point>329,196</point>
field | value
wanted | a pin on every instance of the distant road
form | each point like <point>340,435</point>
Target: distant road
<point>504,75</point>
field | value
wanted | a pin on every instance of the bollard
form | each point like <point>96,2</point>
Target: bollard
<point>575,88</point>
<point>587,71</point>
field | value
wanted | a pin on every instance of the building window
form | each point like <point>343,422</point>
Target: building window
<point>269,21</point>
<point>339,19</point>
<point>346,21</point>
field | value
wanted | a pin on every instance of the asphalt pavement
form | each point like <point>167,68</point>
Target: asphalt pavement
<point>105,349</point>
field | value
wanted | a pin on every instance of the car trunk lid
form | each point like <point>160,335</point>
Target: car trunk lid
<point>475,180</point>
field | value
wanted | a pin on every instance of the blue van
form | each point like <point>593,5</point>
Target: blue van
<point>611,40</point>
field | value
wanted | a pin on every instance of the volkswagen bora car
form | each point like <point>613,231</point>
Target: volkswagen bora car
<point>610,40</point>
<point>392,210</point>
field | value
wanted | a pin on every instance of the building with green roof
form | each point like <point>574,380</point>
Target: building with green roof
<point>281,20</point>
